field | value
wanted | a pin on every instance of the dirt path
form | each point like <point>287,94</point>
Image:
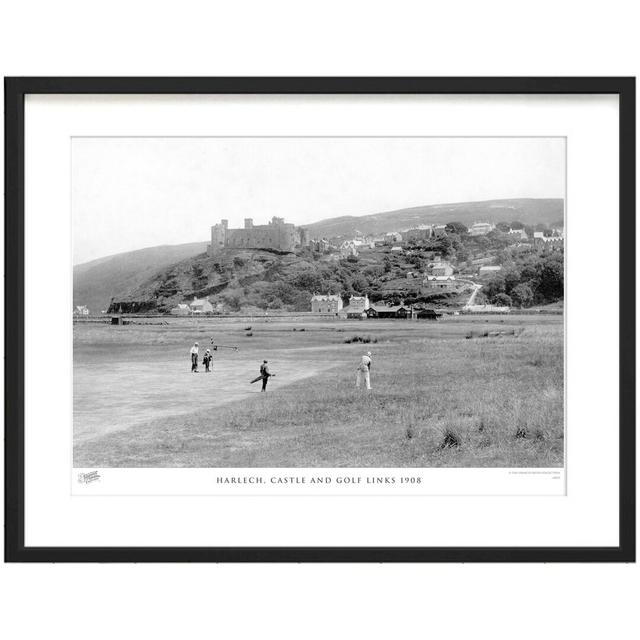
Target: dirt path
<point>119,395</point>
<point>476,288</point>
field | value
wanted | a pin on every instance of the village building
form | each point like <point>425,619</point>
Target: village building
<point>348,248</point>
<point>426,314</point>
<point>480,229</point>
<point>330,304</point>
<point>392,237</point>
<point>519,234</point>
<point>181,310</point>
<point>357,308</point>
<point>539,239</point>
<point>489,270</point>
<point>277,235</point>
<point>440,268</point>
<point>397,250</point>
<point>320,246</point>
<point>200,307</point>
<point>486,308</point>
<point>389,311</point>
<point>439,230</point>
<point>439,282</point>
<point>81,310</point>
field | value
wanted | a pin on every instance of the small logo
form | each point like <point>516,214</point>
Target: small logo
<point>86,478</point>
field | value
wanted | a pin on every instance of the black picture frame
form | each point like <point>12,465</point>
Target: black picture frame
<point>15,91</point>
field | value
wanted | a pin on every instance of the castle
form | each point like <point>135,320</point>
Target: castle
<point>278,235</point>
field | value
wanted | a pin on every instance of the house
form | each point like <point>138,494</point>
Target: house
<point>427,314</point>
<point>489,270</point>
<point>81,310</point>
<point>396,250</point>
<point>540,239</point>
<point>392,237</point>
<point>326,304</point>
<point>439,282</point>
<point>357,308</point>
<point>359,303</point>
<point>519,234</point>
<point>348,248</point>
<point>200,307</point>
<point>440,268</point>
<point>480,229</point>
<point>486,308</point>
<point>439,230</point>
<point>180,310</point>
<point>389,311</point>
<point>320,246</point>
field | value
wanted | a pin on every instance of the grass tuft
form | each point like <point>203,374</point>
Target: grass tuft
<point>361,339</point>
<point>450,439</point>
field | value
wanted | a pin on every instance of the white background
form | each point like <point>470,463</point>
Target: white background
<point>328,38</point>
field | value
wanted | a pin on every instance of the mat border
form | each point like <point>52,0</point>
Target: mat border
<point>15,91</point>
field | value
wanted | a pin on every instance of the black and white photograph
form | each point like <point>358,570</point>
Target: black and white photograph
<point>318,302</point>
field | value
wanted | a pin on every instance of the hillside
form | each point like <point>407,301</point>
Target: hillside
<point>525,210</point>
<point>96,282</point>
<point>158,278</point>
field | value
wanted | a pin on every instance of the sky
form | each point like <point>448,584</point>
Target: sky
<point>131,193</point>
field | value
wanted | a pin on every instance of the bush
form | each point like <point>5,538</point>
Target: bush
<point>361,339</point>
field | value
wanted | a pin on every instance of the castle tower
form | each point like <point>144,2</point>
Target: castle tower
<point>218,237</point>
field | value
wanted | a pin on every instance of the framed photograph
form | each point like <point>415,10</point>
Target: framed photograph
<point>320,319</point>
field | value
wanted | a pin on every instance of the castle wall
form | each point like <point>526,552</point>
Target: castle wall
<point>275,235</point>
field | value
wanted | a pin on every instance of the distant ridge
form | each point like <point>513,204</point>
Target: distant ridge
<point>96,282</point>
<point>526,210</point>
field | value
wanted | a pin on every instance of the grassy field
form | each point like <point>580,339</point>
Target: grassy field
<point>439,399</point>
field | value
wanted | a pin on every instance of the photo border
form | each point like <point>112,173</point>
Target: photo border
<point>15,91</point>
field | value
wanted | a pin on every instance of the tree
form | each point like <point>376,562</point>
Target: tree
<point>494,286</point>
<point>511,278</point>
<point>516,224</point>
<point>522,295</point>
<point>551,278</point>
<point>456,227</point>
<point>503,226</point>
<point>502,299</point>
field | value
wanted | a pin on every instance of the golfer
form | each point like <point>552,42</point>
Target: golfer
<point>264,372</point>
<point>194,358</point>
<point>206,360</point>
<point>363,370</point>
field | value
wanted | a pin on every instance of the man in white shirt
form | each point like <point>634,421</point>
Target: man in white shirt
<point>194,358</point>
<point>364,369</point>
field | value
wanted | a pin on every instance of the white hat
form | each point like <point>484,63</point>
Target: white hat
<point>368,353</point>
